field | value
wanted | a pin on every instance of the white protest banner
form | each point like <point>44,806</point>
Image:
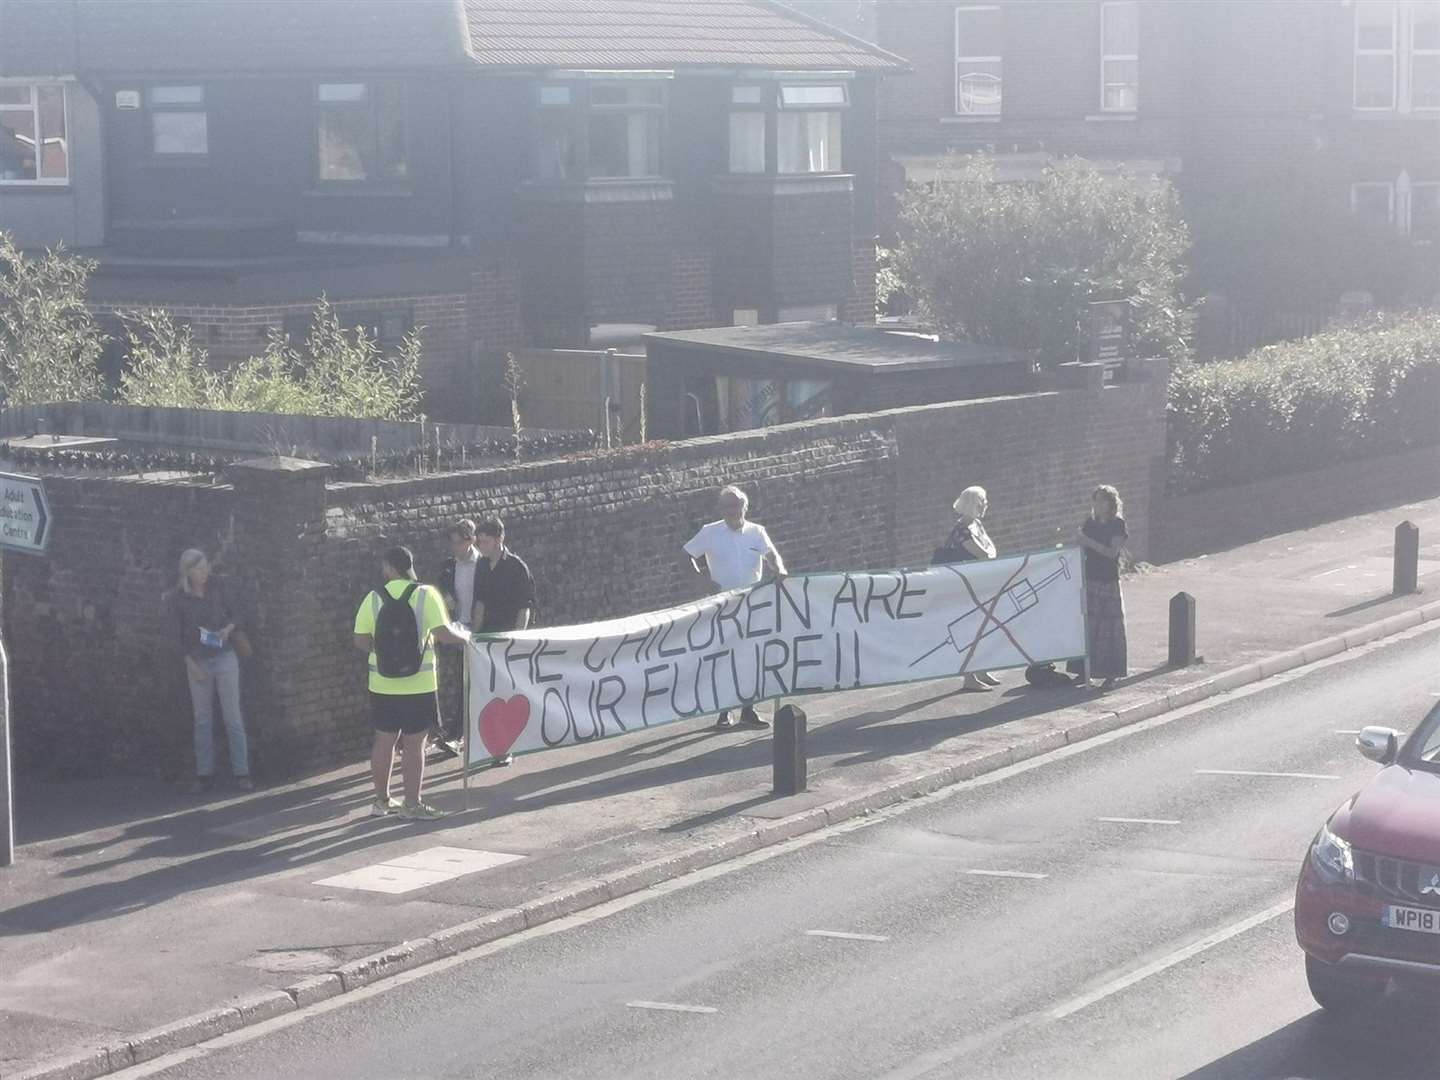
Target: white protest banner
<point>808,634</point>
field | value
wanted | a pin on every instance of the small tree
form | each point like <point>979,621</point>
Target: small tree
<point>49,345</point>
<point>335,373</point>
<point>343,372</point>
<point>166,368</point>
<point>1017,264</point>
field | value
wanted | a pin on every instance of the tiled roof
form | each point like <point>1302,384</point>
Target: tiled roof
<point>639,34</point>
<point>142,36</point>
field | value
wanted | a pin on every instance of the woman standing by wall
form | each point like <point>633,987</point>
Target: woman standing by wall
<point>968,541</point>
<point>206,626</point>
<point>1103,535</point>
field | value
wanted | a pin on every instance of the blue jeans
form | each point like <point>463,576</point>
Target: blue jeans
<point>224,671</point>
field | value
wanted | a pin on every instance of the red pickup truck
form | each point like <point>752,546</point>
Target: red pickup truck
<point>1367,906</point>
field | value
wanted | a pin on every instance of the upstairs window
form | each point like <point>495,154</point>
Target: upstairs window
<point>360,132</point>
<point>747,129</point>
<point>600,129</point>
<point>178,122</point>
<point>801,119</point>
<point>1424,73</point>
<point>978,37</point>
<point>808,128</point>
<point>1119,56</point>
<point>1397,56</point>
<point>624,129</point>
<point>34,147</point>
<point>1377,30</point>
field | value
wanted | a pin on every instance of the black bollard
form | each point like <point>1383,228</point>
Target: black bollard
<point>1182,630</point>
<point>1407,558</point>
<point>790,762</point>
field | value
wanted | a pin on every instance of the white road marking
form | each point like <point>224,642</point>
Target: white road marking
<point>1347,731</point>
<point>1256,772</point>
<point>847,935</point>
<point>1139,820</point>
<point>1006,873</point>
<point>1179,956</point>
<point>669,1006</point>
<point>1327,573</point>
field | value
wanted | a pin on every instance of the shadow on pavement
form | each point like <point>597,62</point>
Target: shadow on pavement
<point>1363,605</point>
<point>201,846</point>
<point>1399,1041</point>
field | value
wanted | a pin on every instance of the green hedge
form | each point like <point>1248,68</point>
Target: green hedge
<point>1305,404</point>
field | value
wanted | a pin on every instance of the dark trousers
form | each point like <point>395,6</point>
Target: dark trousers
<point>450,667</point>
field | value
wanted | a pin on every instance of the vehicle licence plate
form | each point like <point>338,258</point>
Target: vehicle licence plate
<point>1409,918</point>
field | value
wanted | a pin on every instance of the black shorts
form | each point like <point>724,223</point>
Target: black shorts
<point>406,714</point>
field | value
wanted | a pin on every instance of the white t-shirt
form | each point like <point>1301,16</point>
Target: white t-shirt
<point>735,557</point>
<point>465,586</point>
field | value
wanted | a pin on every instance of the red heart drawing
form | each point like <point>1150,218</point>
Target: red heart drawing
<point>502,722</point>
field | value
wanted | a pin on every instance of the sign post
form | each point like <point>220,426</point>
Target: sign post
<point>25,526</point>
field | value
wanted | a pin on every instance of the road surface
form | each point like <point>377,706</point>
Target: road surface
<point>1120,909</point>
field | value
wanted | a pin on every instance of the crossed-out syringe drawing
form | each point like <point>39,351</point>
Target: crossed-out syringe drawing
<point>1013,599</point>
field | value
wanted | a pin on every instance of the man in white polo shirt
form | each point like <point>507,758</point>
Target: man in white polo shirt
<point>736,553</point>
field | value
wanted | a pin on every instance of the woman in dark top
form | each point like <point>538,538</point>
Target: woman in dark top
<point>1103,537</point>
<point>968,541</point>
<point>205,625</point>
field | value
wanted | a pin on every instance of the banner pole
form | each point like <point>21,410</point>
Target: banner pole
<point>465,726</point>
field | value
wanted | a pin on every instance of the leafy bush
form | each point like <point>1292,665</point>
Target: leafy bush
<point>336,372</point>
<point>49,345</point>
<point>1344,394</point>
<point>166,368</point>
<point>1018,264</point>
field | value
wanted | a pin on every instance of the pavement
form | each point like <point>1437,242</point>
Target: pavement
<point>1120,908</point>
<point>137,919</point>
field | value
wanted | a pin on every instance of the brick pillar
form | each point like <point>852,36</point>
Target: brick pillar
<point>278,535</point>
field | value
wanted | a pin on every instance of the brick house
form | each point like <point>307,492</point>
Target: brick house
<point>1302,135</point>
<point>497,172</point>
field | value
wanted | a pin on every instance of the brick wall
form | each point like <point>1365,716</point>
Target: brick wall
<point>602,533</point>
<point>860,307</point>
<point>95,666</point>
<point>692,301</point>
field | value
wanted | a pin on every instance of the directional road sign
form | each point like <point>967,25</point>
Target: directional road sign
<point>25,523</point>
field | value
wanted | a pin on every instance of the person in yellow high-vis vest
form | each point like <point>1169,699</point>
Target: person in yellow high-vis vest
<point>402,681</point>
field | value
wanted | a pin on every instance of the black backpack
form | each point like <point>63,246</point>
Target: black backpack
<point>398,648</point>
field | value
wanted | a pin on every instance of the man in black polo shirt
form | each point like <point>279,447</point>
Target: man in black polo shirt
<point>504,589</point>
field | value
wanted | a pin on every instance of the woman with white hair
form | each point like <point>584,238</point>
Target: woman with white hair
<point>207,634</point>
<point>968,542</point>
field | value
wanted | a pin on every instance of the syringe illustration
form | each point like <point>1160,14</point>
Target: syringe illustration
<point>1019,598</point>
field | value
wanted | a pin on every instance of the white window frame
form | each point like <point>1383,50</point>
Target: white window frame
<point>1393,52</point>
<point>161,107</point>
<point>972,58</point>
<point>1107,58</point>
<point>1411,53</point>
<point>1389,188</point>
<point>1417,187</point>
<point>1402,53</point>
<point>793,106</point>
<point>34,109</point>
<point>332,96</point>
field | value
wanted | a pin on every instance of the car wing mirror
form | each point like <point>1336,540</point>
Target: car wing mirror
<point>1380,744</point>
